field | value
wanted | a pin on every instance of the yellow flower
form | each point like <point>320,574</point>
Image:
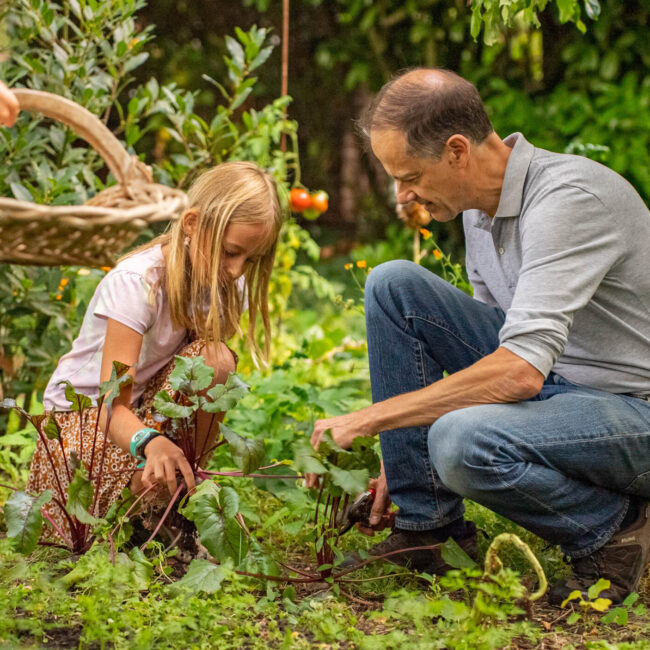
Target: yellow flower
<point>437,254</point>
<point>106,269</point>
<point>425,233</point>
<point>58,296</point>
<point>83,272</point>
<point>64,282</point>
<point>347,267</point>
<point>362,264</point>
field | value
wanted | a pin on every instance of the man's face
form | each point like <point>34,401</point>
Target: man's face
<point>435,184</point>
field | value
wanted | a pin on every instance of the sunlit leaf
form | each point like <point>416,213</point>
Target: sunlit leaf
<point>191,375</point>
<point>119,379</point>
<point>595,589</point>
<point>225,396</point>
<point>78,401</point>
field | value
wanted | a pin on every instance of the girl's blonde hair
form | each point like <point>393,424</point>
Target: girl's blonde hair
<point>230,193</point>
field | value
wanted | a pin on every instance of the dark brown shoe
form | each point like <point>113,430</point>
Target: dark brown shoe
<point>425,560</point>
<point>622,561</point>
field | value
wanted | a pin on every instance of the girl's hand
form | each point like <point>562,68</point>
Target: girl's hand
<point>164,459</point>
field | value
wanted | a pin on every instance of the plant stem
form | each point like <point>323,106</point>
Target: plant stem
<point>165,514</point>
<point>62,535</point>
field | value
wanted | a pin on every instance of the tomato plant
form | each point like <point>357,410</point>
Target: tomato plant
<point>319,201</point>
<point>300,199</point>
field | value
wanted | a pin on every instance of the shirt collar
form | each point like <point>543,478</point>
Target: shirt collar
<point>513,182</point>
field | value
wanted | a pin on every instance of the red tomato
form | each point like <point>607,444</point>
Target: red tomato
<point>319,201</point>
<point>300,199</point>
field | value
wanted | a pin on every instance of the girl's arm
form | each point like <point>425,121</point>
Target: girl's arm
<point>163,457</point>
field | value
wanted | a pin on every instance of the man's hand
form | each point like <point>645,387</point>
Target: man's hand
<point>380,515</point>
<point>8,106</point>
<point>164,458</point>
<point>344,429</point>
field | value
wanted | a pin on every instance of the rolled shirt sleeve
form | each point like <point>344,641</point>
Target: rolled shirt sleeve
<point>568,246</point>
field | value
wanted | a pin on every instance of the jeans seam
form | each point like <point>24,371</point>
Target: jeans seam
<point>427,461</point>
<point>601,538</point>
<point>456,335</point>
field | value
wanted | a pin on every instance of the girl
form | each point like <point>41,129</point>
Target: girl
<point>182,293</point>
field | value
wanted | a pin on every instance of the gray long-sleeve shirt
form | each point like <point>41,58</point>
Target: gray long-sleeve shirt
<point>567,257</point>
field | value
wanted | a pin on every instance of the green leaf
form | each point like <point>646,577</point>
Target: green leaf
<point>246,452</point>
<point>618,615</point>
<point>601,585</point>
<point>306,459</point>
<point>212,509</point>
<point>592,7</point>
<point>203,576</point>
<point>119,378</point>
<point>455,556</point>
<point>21,192</point>
<point>237,53</point>
<point>352,481</point>
<point>80,498</point>
<point>78,401</point>
<point>164,404</point>
<point>573,618</point>
<point>631,599</point>
<point>52,429</point>
<point>25,520</point>
<point>261,58</point>
<point>191,375</point>
<point>225,396</point>
<point>135,61</point>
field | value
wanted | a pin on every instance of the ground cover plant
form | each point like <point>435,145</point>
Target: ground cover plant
<point>269,575</point>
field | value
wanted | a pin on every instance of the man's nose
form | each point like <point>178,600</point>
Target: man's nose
<point>404,194</point>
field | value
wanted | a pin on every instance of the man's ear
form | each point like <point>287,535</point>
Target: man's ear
<point>458,149</point>
<point>190,222</point>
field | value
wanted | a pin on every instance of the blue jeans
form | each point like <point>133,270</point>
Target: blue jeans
<point>562,464</point>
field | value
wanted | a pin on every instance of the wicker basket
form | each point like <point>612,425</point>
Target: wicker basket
<point>93,234</point>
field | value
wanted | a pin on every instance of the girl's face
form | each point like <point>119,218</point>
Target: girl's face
<point>243,244</point>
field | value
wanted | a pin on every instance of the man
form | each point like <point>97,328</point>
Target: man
<point>542,416</point>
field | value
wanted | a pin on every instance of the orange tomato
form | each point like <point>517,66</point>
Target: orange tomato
<point>319,201</point>
<point>300,199</point>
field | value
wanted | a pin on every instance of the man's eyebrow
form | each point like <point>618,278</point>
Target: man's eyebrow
<point>410,175</point>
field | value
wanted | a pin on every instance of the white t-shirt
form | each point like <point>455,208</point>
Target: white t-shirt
<point>124,295</point>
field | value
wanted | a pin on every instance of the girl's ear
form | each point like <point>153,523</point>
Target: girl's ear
<point>190,223</point>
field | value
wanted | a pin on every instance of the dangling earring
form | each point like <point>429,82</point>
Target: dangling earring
<point>186,241</point>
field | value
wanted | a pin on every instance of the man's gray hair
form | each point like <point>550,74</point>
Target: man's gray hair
<point>428,113</point>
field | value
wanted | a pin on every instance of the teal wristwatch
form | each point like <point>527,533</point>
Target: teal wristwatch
<point>139,441</point>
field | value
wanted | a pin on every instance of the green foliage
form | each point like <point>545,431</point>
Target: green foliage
<point>80,497</point>
<point>494,15</point>
<point>203,576</point>
<point>213,510</point>
<point>24,519</point>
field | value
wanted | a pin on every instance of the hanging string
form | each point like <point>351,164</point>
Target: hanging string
<point>285,63</point>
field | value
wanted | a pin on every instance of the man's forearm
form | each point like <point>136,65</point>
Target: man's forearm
<point>498,378</point>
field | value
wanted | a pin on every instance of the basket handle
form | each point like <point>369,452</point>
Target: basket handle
<point>86,126</point>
